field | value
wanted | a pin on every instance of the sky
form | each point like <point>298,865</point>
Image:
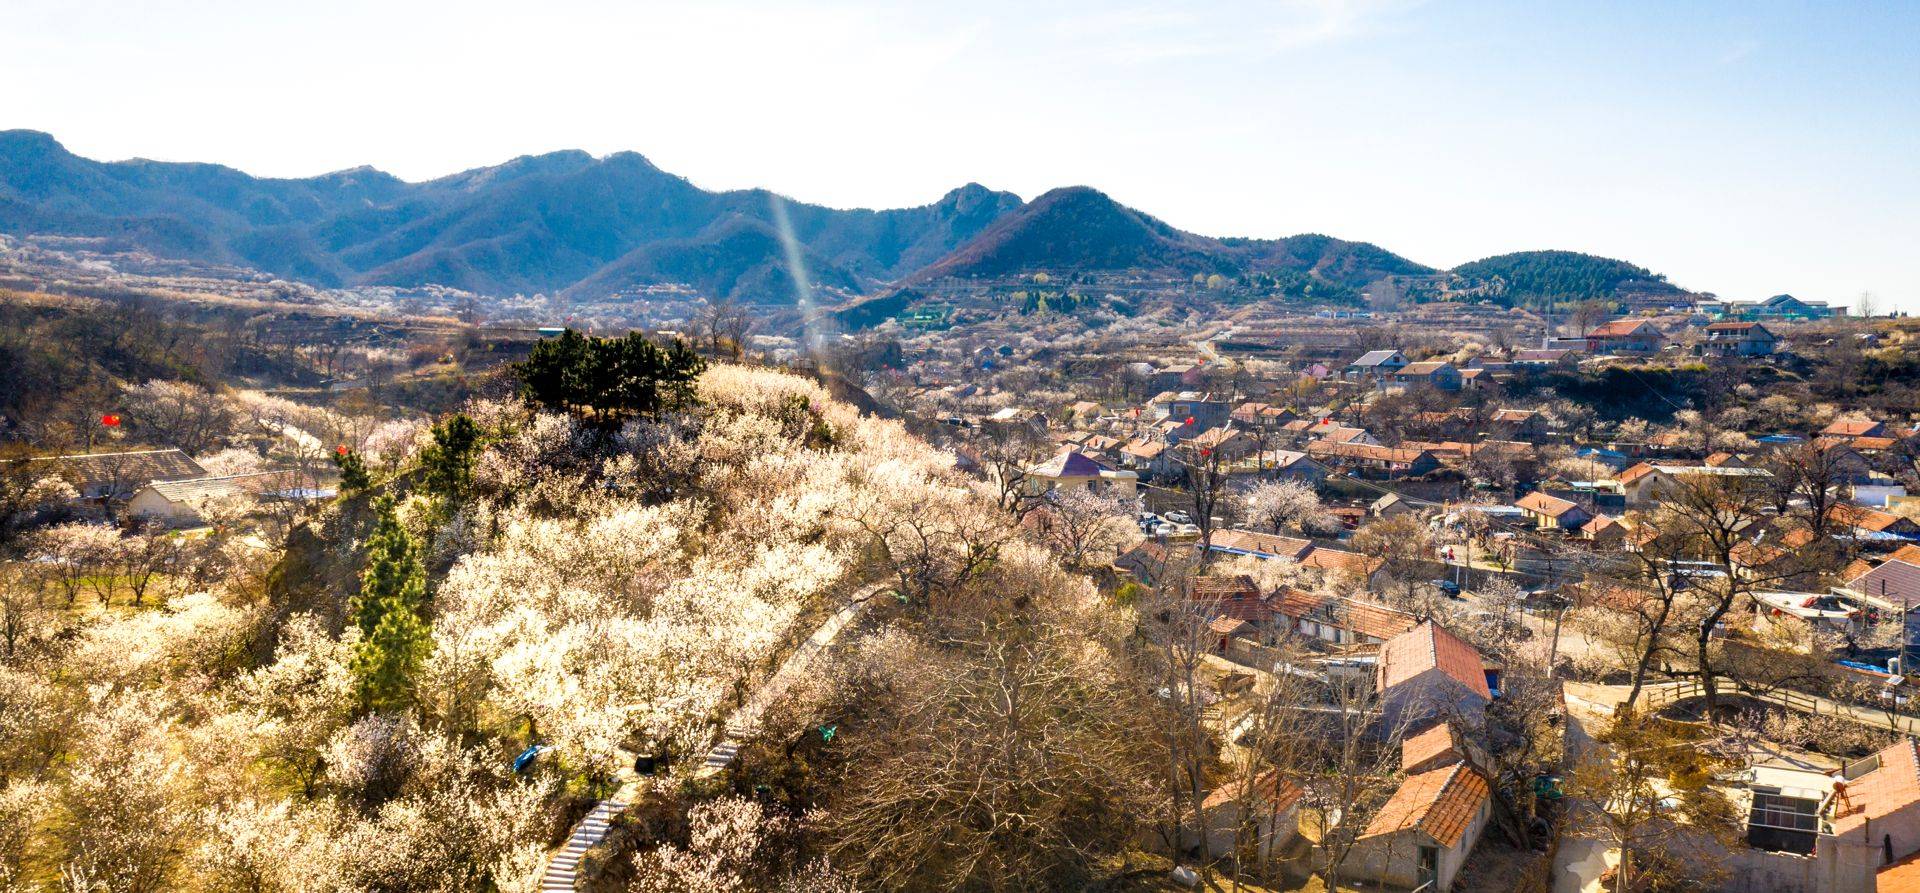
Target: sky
<point>1745,149</point>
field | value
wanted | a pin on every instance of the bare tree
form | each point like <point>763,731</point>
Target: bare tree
<point>1000,762</point>
<point>1812,478</point>
<point>1205,477</point>
<point>181,415</point>
<point>1178,634</point>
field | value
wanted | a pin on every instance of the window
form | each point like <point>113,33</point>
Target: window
<point>1782,822</point>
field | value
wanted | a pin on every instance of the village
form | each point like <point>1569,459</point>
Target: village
<point>1436,527</point>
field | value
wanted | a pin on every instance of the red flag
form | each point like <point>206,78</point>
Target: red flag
<point>110,420</point>
<point>341,450</point>
<point>1189,420</point>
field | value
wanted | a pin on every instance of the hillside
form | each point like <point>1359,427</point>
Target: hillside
<point>1530,276</point>
<point>1078,228</point>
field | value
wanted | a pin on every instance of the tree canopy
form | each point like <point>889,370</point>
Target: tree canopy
<point>610,379</point>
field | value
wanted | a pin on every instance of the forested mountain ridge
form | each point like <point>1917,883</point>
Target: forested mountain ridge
<point>553,222</point>
<point>589,228</point>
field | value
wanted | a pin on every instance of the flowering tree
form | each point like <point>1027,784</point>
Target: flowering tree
<point>1279,505</point>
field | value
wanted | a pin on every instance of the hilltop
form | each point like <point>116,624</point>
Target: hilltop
<point>1535,276</point>
<point>1080,228</point>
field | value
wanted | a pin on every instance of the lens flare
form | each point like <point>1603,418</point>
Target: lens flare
<point>797,269</point>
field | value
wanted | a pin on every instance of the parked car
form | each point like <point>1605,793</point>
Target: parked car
<point>1180,517</point>
<point>1447,587</point>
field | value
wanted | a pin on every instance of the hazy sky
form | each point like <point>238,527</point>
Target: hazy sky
<point>1742,148</point>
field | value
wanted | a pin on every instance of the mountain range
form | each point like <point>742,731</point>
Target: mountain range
<point>586,227</point>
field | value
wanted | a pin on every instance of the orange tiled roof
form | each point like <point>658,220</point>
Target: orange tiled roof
<point>1900,877</point>
<point>1337,560</point>
<point>1894,786</point>
<point>1429,646</point>
<point>1233,596</point>
<point>1378,621</point>
<point>1298,602</point>
<point>1321,448</point>
<point>1441,802</point>
<point>1428,747</point>
<point>1863,518</point>
<point>1275,792</point>
<point>1226,626</point>
<point>1852,428</point>
<point>1545,504</point>
<point>1619,328</point>
<point>1635,473</point>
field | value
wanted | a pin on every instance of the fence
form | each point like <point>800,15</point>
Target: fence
<point>1799,701</point>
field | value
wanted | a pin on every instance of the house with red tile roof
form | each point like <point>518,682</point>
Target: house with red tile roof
<point>1625,336</point>
<point>1377,460</point>
<point>1649,481</point>
<point>1854,427</point>
<point>1874,818</point>
<point>1423,834</point>
<point>1870,522</point>
<point>1436,374</point>
<point>1265,814</point>
<point>1363,569</point>
<point>1549,512</point>
<point>1428,673</point>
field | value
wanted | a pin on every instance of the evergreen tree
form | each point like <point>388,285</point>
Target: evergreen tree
<point>448,460</point>
<point>610,379</point>
<point>353,471</point>
<point>391,614</point>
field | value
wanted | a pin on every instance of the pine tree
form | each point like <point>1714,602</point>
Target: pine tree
<point>391,614</point>
<point>609,380</point>
<point>448,461</point>
<point>353,471</point>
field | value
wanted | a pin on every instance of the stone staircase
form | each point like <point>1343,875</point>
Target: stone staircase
<point>564,871</point>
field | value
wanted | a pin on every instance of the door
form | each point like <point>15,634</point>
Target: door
<point>1429,873</point>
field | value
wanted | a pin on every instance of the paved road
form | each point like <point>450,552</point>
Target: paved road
<point>563,868</point>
